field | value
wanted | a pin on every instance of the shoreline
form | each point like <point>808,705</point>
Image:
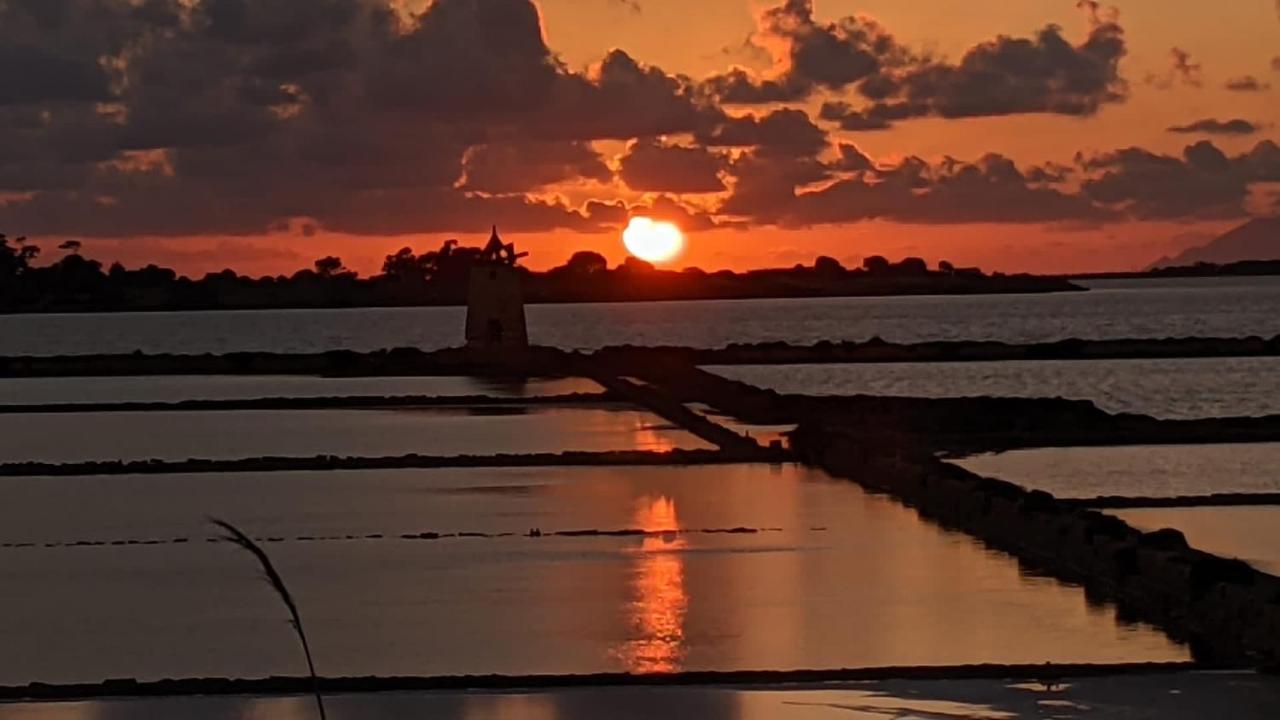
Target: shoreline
<point>600,400</point>
<point>544,361</point>
<point>197,466</point>
<point>132,688</point>
<point>930,286</point>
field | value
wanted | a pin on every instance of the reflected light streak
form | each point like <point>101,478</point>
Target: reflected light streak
<point>501,707</point>
<point>657,610</point>
<point>647,437</point>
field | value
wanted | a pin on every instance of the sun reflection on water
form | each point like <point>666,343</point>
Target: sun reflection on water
<point>658,602</point>
<point>650,437</point>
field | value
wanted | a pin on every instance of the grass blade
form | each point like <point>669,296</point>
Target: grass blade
<point>235,536</point>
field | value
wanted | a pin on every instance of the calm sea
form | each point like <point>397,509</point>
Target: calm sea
<point>1113,309</point>
<point>823,576</point>
<point>1179,388</point>
<point>830,577</point>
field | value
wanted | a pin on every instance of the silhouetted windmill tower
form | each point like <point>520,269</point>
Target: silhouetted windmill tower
<point>495,303</point>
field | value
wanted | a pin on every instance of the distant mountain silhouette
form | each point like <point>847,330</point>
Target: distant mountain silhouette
<point>1258,239</point>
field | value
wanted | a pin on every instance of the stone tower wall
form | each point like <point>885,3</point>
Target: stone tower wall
<point>495,308</point>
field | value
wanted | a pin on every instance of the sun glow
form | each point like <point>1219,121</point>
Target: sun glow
<point>653,241</point>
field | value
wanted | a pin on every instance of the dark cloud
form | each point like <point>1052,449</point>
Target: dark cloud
<point>183,117</point>
<point>879,116</point>
<point>992,189</point>
<point>163,210</point>
<point>1181,70</point>
<point>829,56</point>
<point>765,184</point>
<point>517,167</point>
<point>1261,164</point>
<point>31,74</point>
<point>1005,76</point>
<point>669,209</point>
<point>852,159</point>
<point>649,166</point>
<point>403,212</point>
<point>741,87</point>
<point>177,117</point>
<point>1132,183</point>
<point>786,130</point>
<point>1186,70</point>
<point>1203,183</point>
<point>617,213</point>
<point>1218,127</point>
<point>1246,83</point>
<point>1049,174</point>
<point>471,59</point>
<point>61,51</point>
<point>1044,74</point>
<point>621,99</point>
<point>1275,63</point>
<point>51,148</point>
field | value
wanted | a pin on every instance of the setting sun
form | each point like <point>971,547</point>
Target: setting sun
<point>653,241</point>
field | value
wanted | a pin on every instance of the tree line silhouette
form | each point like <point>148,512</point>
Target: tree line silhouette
<point>441,277</point>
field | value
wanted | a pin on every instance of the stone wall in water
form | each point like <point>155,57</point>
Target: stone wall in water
<point>1226,610</point>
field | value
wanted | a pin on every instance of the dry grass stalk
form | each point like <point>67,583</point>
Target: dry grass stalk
<point>235,536</point>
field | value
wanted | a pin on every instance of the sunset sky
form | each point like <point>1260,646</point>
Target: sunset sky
<point>1041,135</point>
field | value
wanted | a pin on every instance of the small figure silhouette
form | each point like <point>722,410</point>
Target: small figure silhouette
<point>1048,679</point>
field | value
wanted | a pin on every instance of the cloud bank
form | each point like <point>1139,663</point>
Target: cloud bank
<point>127,118</point>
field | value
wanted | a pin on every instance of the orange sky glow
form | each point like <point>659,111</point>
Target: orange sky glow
<point>1091,153</point>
